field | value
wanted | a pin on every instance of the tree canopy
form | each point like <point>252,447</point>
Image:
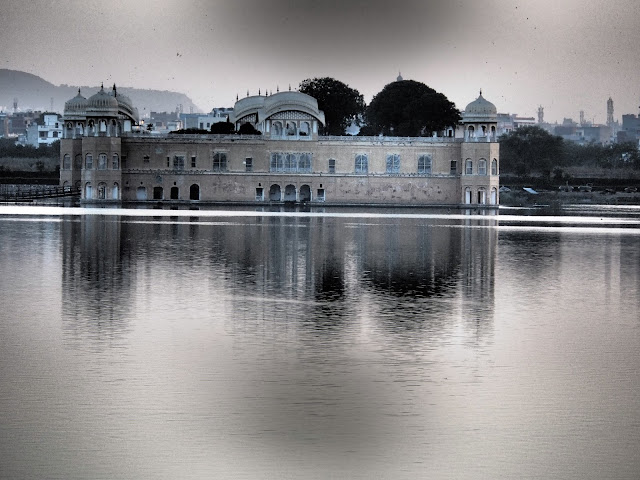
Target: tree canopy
<point>528,149</point>
<point>340,103</point>
<point>409,108</point>
<point>224,128</point>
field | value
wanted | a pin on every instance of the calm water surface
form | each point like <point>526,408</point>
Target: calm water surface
<point>228,344</point>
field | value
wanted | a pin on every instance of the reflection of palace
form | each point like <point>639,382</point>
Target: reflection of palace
<point>288,162</point>
<point>96,277</point>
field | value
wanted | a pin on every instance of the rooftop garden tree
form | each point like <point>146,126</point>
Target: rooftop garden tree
<point>340,103</point>
<point>408,108</point>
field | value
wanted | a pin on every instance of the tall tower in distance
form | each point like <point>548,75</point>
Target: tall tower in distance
<point>540,114</point>
<point>610,112</point>
<point>582,117</point>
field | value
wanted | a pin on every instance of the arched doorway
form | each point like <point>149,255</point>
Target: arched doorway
<point>88,191</point>
<point>305,193</point>
<point>102,191</point>
<point>157,193</point>
<point>174,193</point>
<point>290,193</point>
<point>194,192</point>
<point>494,196</point>
<point>482,196</point>
<point>115,192</point>
<point>467,196</point>
<point>274,193</point>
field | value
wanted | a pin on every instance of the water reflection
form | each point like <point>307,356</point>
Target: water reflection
<point>96,279</point>
<point>407,273</point>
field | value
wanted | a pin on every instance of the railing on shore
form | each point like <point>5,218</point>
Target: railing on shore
<point>19,193</point>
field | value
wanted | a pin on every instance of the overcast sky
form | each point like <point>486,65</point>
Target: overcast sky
<point>566,55</point>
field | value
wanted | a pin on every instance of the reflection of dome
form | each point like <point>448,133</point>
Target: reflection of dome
<point>481,107</point>
<point>102,103</point>
<point>77,104</point>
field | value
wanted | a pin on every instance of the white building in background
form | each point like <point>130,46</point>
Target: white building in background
<point>45,131</point>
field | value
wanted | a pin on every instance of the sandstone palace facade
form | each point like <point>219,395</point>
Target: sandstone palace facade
<point>104,153</point>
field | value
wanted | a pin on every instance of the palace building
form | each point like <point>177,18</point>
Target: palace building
<point>107,155</point>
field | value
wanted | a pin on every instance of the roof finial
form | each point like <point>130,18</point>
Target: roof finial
<point>277,88</point>
<point>236,97</point>
<point>258,92</point>
<point>289,87</point>
<point>481,92</point>
<point>247,92</point>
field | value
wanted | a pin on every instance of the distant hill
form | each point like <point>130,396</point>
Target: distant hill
<point>36,93</point>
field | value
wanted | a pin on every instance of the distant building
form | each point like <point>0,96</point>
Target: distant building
<point>204,122</point>
<point>45,130</point>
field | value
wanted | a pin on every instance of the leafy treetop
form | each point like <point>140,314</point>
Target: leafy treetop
<point>340,103</point>
<point>410,108</point>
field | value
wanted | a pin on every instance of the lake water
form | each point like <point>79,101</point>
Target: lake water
<point>338,344</point>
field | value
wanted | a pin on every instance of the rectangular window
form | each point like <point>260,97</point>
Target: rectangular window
<point>89,161</point>
<point>332,165</point>
<point>482,167</point>
<point>259,194</point>
<point>362,164</point>
<point>424,164</point>
<point>55,134</point>
<point>468,167</point>
<point>146,159</point>
<point>248,164</point>
<point>220,162</point>
<point>102,161</point>
<point>193,162</point>
<point>454,167</point>
<point>320,196</point>
<point>115,162</point>
<point>43,134</point>
<point>168,162</point>
<point>201,126</point>
<point>178,162</point>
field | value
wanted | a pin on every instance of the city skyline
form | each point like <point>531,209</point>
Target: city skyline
<point>566,56</point>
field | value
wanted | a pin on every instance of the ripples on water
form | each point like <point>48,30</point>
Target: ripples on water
<point>395,344</point>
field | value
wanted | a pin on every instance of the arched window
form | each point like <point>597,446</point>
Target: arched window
<point>102,161</point>
<point>115,162</point>
<point>482,167</point>
<point>88,191</point>
<point>141,193</point>
<point>393,163</point>
<point>115,192</point>
<point>158,193</point>
<point>220,162</point>
<point>277,162</point>
<point>471,131</point>
<point>304,163</point>
<point>175,193</point>
<point>290,162</point>
<point>88,164</point>
<point>468,167</point>
<point>467,195</point>
<point>362,164</point>
<point>494,167</point>
<point>424,164</point>
<point>66,162</point>
<point>305,129</point>
<point>494,196</point>
<point>277,129</point>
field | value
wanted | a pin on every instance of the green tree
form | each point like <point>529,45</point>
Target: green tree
<point>340,103</point>
<point>530,150</point>
<point>248,129</point>
<point>410,108</point>
<point>224,128</point>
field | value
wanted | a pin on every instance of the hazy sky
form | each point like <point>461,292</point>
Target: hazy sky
<point>567,55</point>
